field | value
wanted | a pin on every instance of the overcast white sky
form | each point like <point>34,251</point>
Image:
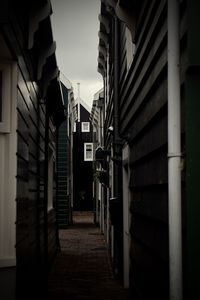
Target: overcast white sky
<point>75,29</point>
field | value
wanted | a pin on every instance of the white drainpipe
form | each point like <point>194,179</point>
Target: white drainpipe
<point>174,152</point>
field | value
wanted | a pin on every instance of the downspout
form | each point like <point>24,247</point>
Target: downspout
<point>174,153</point>
<point>46,188</point>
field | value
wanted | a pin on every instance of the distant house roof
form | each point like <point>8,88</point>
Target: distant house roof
<point>98,94</point>
<point>66,81</point>
<point>82,102</point>
<point>98,100</point>
<point>72,105</point>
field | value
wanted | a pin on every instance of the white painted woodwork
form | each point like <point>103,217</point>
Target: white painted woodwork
<point>8,171</point>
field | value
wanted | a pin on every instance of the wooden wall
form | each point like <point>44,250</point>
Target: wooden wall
<point>143,116</point>
<point>82,170</point>
<point>53,240</point>
<point>36,237</point>
<point>29,208</point>
<point>63,177</point>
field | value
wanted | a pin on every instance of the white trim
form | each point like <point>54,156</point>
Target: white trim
<point>130,48</point>
<point>8,184</point>
<point>6,68</point>
<point>74,129</point>
<point>83,124</point>
<point>85,149</point>
<point>82,102</point>
<point>79,112</point>
<point>65,81</point>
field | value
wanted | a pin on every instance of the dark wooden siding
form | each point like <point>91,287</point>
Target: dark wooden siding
<point>31,227</point>
<point>82,170</point>
<point>41,208</point>
<point>123,64</point>
<point>51,219</point>
<point>63,171</point>
<point>143,116</point>
<point>31,204</point>
<point>27,171</point>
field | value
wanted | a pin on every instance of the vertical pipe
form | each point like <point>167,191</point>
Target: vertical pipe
<point>46,188</point>
<point>78,89</point>
<point>174,153</point>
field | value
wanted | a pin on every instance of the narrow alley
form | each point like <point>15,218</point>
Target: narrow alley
<point>99,149</point>
<point>82,268</point>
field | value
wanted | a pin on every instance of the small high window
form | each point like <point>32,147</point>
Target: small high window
<point>88,151</point>
<point>85,127</point>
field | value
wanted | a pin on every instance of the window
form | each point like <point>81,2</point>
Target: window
<point>88,151</point>
<point>85,127</point>
<point>5,96</point>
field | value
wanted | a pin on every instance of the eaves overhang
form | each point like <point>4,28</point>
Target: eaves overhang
<point>125,11</point>
<point>55,102</point>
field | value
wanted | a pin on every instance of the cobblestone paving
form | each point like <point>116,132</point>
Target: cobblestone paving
<point>82,269</point>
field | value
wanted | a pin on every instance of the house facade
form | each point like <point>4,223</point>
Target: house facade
<point>31,110</point>
<point>149,61</point>
<point>82,159</point>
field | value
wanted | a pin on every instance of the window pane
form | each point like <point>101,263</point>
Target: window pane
<point>88,154</point>
<point>88,151</point>
<point>85,126</point>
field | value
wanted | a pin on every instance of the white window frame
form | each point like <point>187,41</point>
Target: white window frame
<point>85,151</point>
<point>6,69</point>
<point>82,126</point>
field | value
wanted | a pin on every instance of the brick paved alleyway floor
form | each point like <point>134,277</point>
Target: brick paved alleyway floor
<point>82,269</point>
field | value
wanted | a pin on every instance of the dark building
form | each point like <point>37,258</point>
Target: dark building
<point>31,110</point>
<point>64,161</point>
<point>149,59</point>
<point>82,159</point>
